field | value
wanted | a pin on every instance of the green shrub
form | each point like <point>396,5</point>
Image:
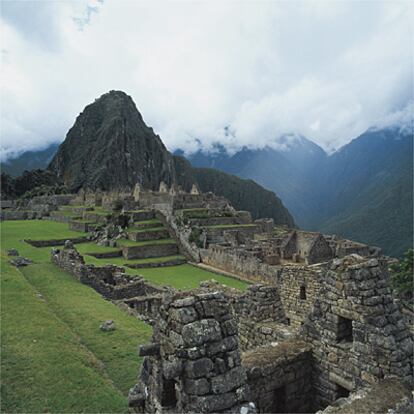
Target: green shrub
<point>402,276</point>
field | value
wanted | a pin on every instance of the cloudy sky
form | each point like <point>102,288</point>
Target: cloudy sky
<point>325,69</point>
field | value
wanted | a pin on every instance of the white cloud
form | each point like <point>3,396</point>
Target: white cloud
<point>327,70</point>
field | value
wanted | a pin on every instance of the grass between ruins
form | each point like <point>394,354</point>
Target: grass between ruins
<point>54,356</point>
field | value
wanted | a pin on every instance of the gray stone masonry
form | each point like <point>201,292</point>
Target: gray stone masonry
<point>278,376</point>
<point>109,281</point>
<point>357,331</point>
<point>150,250</point>
<point>387,396</point>
<point>193,363</point>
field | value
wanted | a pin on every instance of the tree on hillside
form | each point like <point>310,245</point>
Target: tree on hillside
<point>402,276</point>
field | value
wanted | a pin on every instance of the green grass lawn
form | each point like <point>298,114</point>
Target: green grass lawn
<point>144,223</point>
<point>185,277</point>
<point>54,356</point>
<point>67,213</point>
<point>91,247</point>
<point>13,233</point>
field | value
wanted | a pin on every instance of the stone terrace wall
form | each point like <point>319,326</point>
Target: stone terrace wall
<point>279,377</point>
<point>358,333</point>
<point>238,261</point>
<point>193,363</point>
<point>150,250</point>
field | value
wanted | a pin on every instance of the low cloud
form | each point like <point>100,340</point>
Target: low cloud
<point>326,70</point>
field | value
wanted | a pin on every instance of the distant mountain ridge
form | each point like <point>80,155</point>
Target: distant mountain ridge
<point>29,160</point>
<point>110,147</point>
<point>363,191</point>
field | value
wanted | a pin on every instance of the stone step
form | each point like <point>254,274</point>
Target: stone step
<point>149,234</point>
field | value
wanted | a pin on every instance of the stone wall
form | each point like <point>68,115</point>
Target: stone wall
<point>180,235</point>
<point>278,376</point>
<point>299,286</point>
<point>55,242</point>
<point>109,281</point>
<point>358,333</point>
<point>193,363</point>
<point>145,235</point>
<point>145,306</point>
<point>150,250</point>
<point>387,396</point>
<point>239,261</point>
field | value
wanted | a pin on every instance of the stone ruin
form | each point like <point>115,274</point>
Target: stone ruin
<point>194,362</point>
<point>215,350</point>
<point>319,329</point>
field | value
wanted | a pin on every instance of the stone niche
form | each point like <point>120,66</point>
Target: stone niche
<point>194,362</point>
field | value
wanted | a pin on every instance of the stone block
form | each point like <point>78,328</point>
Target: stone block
<point>199,368</point>
<point>228,381</point>
<point>200,332</point>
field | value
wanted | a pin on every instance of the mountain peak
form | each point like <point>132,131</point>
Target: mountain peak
<point>110,146</point>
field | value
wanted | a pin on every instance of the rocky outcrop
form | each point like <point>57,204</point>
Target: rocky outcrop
<point>111,147</point>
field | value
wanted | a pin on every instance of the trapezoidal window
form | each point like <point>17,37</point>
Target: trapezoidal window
<point>168,397</point>
<point>341,392</point>
<point>344,330</point>
<point>302,294</point>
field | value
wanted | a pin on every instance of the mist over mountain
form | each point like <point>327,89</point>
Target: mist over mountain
<point>110,147</point>
<point>29,160</point>
<point>363,191</point>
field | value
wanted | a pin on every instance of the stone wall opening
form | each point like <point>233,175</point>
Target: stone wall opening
<point>279,400</point>
<point>302,293</point>
<point>168,396</point>
<point>341,392</point>
<point>344,330</point>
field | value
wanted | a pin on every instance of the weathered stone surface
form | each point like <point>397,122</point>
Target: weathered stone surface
<point>20,261</point>
<point>108,326</point>
<point>199,368</point>
<point>200,332</point>
<point>228,381</point>
<point>197,386</point>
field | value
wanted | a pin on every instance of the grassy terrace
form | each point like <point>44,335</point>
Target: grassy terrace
<point>39,230</point>
<point>194,213</point>
<point>54,356</point>
<point>137,211</point>
<point>99,212</point>
<point>144,223</point>
<point>66,213</point>
<point>229,226</point>
<point>91,247</point>
<point>145,229</point>
<point>185,276</point>
<point>120,261</point>
<point>132,243</point>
